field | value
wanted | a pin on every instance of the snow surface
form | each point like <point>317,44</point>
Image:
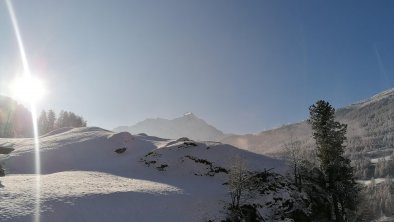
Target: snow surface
<point>17,196</point>
<point>83,179</point>
<point>376,160</point>
<point>368,182</point>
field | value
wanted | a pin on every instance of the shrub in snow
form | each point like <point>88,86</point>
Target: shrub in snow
<point>162,167</point>
<point>212,169</point>
<point>187,144</point>
<point>120,150</point>
<point>2,172</point>
<point>183,139</point>
<point>246,213</point>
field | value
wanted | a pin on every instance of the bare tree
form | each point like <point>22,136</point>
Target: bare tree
<point>295,156</point>
<point>238,182</point>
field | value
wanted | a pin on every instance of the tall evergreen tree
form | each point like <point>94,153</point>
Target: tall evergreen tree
<point>60,120</point>
<point>338,174</point>
<point>66,119</point>
<point>72,118</point>
<point>51,120</point>
<point>43,123</point>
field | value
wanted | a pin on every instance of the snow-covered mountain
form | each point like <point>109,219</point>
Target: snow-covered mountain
<point>370,128</point>
<point>188,125</point>
<point>91,174</point>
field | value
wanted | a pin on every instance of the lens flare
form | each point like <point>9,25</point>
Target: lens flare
<point>27,89</point>
<point>24,88</point>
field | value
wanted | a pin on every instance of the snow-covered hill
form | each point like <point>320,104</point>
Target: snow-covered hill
<point>91,174</point>
<point>188,157</point>
<point>188,125</point>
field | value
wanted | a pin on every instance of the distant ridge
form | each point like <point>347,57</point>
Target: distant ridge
<point>376,97</point>
<point>370,127</point>
<point>188,125</point>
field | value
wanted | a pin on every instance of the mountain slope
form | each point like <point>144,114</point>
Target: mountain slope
<point>370,127</point>
<point>188,125</point>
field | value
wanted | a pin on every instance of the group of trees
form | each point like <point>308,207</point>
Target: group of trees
<point>325,174</point>
<point>377,164</point>
<point>377,199</point>
<point>48,121</point>
<point>370,135</point>
<point>248,191</point>
<point>15,119</point>
<point>384,168</point>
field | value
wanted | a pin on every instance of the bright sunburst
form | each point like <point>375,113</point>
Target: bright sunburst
<point>27,89</point>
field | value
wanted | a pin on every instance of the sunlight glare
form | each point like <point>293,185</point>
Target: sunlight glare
<point>27,89</point>
<point>30,89</point>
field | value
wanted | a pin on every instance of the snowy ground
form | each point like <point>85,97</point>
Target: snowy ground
<point>376,160</point>
<point>83,179</point>
<point>368,182</point>
<point>18,194</point>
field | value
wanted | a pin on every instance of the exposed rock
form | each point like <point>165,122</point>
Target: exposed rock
<point>162,167</point>
<point>120,150</point>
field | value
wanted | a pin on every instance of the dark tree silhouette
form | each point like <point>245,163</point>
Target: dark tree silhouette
<point>338,174</point>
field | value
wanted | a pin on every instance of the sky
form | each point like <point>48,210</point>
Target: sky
<point>242,66</point>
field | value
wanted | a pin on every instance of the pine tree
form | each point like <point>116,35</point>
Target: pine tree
<point>60,120</point>
<point>43,123</point>
<point>51,120</point>
<point>69,119</point>
<point>338,174</point>
<point>72,119</point>
<point>66,119</point>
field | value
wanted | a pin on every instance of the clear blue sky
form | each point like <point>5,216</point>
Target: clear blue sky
<point>243,66</point>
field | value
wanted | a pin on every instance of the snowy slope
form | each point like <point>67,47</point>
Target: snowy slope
<point>83,179</point>
<point>184,156</point>
<point>78,149</point>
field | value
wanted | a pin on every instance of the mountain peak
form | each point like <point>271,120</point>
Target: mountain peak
<point>387,94</point>
<point>188,125</point>
<point>189,114</point>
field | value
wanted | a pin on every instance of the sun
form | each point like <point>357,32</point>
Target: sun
<point>27,89</point>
